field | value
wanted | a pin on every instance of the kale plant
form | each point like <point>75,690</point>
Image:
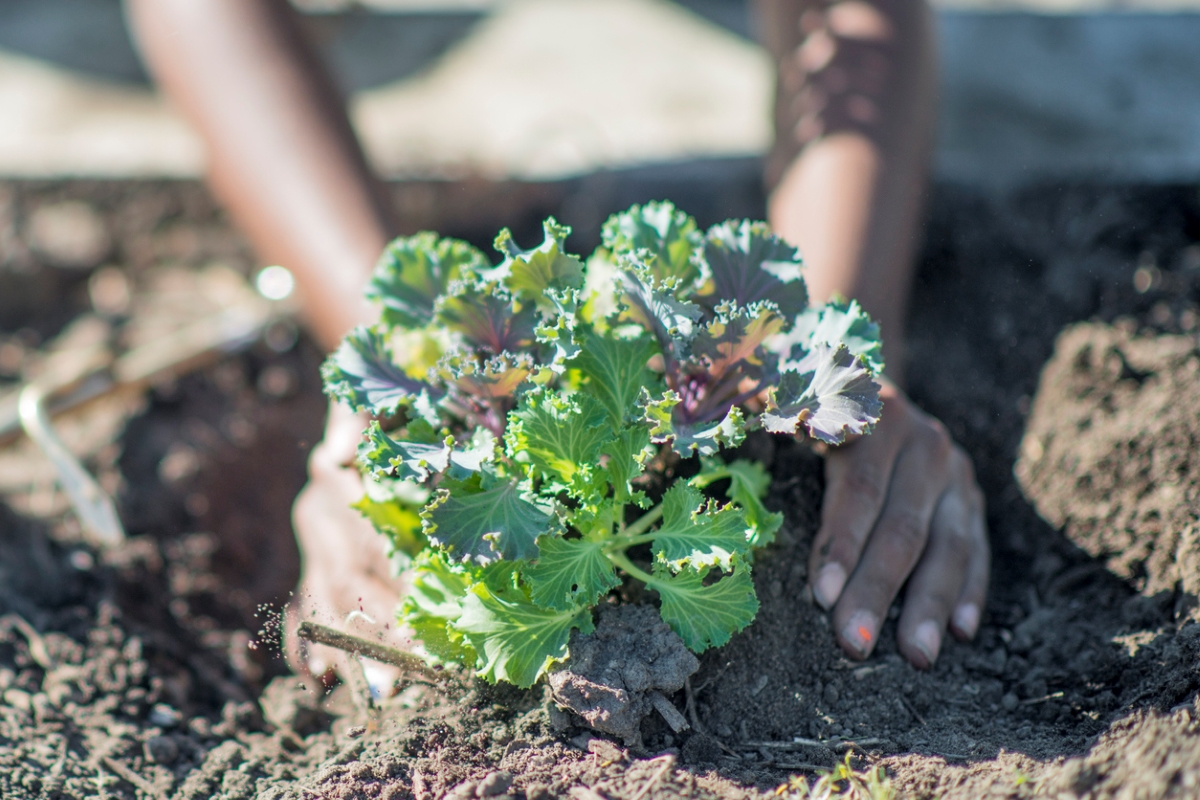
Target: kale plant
<point>529,418</point>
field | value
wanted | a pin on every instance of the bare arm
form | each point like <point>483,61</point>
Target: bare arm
<point>281,154</point>
<point>855,110</point>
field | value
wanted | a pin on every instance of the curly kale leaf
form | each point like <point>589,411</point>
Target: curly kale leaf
<point>516,639</point>
<point>748,484</point>
<point>749,264</point>
<point>837,322</point>
<point>363,374</point>
<point>616,373</point>
<point>486,526</point>
<point>669,425</point>
<point>560,439</point>
<point>663,237</point>
<point>485,379</point>
<point>830,393</point>
<point>705,616</point>
<point>673,322</point>
<point>432,605</point>
<point>530,274</point>
<point>733,341</point>
<point>570,573</point>
<point>697,536</point>
<point>414,270</point>
<point>486,318</point>
<point>384,457</point>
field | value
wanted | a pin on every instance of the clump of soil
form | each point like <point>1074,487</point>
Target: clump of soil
<point>1111,453</point>
<point>619,673</point>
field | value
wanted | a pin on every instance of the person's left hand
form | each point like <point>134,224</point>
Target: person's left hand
<point>901,505</point>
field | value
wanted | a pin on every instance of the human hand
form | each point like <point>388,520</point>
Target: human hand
<point>901,504</point>
<point>345,578</point>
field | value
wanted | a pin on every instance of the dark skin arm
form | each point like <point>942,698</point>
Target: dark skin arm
<point>900,505</point>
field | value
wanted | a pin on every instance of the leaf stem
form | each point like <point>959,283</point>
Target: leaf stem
<point>624,563</point>
<point>643,523</point>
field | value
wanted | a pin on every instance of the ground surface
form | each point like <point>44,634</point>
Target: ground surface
<point>141,672</point>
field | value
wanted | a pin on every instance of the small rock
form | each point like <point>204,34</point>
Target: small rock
<point>356,731</point>
<point>464,791</point>
<point>161,750</point>
<point>537,791</point>
<point>164,716</point>
<point>830,695</point>
<point>1009,702</point>
<point>494,785</point>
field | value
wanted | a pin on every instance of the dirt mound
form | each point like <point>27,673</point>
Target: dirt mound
<point>1112,453</point>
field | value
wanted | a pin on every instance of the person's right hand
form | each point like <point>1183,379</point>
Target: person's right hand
<point>901,505</point>
<point>345,579</point>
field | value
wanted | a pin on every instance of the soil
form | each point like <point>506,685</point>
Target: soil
<point>1054,330</point>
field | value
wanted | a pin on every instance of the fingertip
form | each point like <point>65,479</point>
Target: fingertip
<point>859,633</point>
<point>831,579</point>
<point>965,622</point>
<point>924,644</point>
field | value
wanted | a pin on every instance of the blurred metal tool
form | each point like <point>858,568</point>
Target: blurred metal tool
<point>95,509</point>
<point>193,346</point>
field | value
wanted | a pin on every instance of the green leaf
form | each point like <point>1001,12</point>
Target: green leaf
<point>734,339</point>
<point>414,270</point>
<point>485,526</point>
<point>559,332</point>
<point>830,392</point>
<point>559,438</point>
<point>362,374</point>
<point>673,322</point>
<point>685,437</point>
<point>516,640</point>
<point>385,457</point>
<point>529,274</point>
<point>749,264</point>
<point>499,376</point>
<point>665,238</point>
<point>570,573</point>
<point>705,616</point>
<point>394,509</point>
<point>616,371</point>
<point>433,602</point>
<point>748,484</point>
<point>837,322</point>
<point>627,455</point>
<point>695,536</point>
<point>486,318</point>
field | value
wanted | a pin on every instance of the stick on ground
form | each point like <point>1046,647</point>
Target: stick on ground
<point>376,651</point>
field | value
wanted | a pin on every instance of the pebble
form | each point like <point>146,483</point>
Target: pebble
<point>830,695</point>
<point>164,716</point>
<point>1009,701</point>
<point>161,750</point>
<point>356,731</point>
<point>494,785</point>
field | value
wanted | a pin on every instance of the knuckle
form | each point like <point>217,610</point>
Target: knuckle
<point>908,529</point>
<point>864,481</point>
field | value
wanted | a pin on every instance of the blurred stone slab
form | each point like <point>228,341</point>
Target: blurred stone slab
<point>1029,97</point>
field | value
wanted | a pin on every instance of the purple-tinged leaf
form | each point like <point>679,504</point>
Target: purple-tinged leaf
<point>668,423</point>
<point>362,374</point>
<point>529,274</point>
<point>414,270</point>
<point>671,321</point>
<point>499,376</point>
<point>830,393</point>
<point>749,264</point>
<point>486,318</point>
<point>734,340</point>
<point>385,457</point>
<point>660,235</point>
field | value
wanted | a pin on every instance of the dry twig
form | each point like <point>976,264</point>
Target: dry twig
<point>376,651</point>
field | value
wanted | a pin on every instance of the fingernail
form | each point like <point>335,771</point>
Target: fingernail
<point>966,619</point>
<point>830,581</point>
<point>928,639</point>
<point>859,632</point>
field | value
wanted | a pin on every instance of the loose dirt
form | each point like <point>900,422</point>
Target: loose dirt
<point>145,672</point>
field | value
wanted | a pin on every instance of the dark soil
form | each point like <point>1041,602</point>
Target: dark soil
<point>134,673</point>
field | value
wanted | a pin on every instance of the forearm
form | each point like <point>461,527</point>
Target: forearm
<point>855,111</point>
<point>281,153</point>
